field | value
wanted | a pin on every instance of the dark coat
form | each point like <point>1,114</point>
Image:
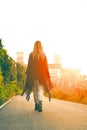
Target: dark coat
<point>37,69</point>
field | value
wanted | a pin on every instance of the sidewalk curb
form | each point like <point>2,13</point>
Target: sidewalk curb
<point>3,105</point>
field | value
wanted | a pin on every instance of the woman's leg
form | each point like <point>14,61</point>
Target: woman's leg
<point>35,91</point>
<point>38,95</point>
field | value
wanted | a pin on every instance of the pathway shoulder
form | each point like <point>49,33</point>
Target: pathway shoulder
<point>3,105</point>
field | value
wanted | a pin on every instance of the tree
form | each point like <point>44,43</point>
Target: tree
<point>7,65</point>
<point>1,77</point>
<point>1,46</point>
<point>11,71</point>
<point>20,73</point>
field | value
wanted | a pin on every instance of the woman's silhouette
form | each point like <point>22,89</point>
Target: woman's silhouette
<point>38,77</point>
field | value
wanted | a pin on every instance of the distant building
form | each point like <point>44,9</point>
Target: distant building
<point>20,57</point>
<point>70,73</point>
<point>57,59</point>
<point>54,70</point>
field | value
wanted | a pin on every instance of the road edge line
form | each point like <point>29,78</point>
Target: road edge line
<point>3,105</point>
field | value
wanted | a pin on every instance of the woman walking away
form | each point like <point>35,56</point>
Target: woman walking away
<point>38,77</point>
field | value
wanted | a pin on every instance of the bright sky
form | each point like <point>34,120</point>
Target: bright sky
<point>61,25</point>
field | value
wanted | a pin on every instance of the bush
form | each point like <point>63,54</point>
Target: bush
<point>8,91</point>
<point>71,94</point>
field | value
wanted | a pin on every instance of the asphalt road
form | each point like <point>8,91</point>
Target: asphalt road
<point>57,115</point>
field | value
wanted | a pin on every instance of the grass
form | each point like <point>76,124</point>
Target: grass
<point>76,93</point>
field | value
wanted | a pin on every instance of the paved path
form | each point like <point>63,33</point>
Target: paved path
<point>57,115</point>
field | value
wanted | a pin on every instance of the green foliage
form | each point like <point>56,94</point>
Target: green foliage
<point>7,65</point>
<point>12,70</point>
<point>1,77</point>
<point>1,46</point>
<point>21,73</point>
<point>12,76</point>
<point>6,92</point>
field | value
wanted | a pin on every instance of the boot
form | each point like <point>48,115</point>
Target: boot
<point>36,106</point>
<point>40,106</point>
